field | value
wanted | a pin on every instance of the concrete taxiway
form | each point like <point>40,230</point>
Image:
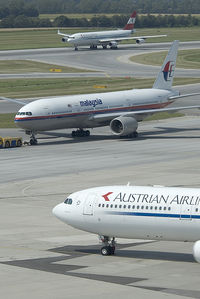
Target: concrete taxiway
<point>40,257</point>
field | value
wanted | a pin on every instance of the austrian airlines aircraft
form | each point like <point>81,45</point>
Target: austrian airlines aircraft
<point>154,213</point>
<point>121,110</point>
<point>105,38</point>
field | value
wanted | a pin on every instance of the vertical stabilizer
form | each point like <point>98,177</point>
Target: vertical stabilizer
<point>165,77</point>
<point>131,22</point>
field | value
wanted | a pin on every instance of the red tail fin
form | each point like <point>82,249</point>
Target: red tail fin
<point>131,22</point>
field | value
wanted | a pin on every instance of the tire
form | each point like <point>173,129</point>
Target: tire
<point>19,143</point>
<point>7,144</point>
<point>105,251</point>
<point>87,133</point>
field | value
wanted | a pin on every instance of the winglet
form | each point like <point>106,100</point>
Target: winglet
<point>131,22</point>
<point>165,77</point>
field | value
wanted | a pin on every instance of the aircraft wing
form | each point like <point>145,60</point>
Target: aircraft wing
<point>110,116</point>
<point>63,34</point>
<point>13,100</point>
<point>106,40</point>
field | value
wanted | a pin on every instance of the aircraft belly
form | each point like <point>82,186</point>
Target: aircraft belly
<point>140,227</point>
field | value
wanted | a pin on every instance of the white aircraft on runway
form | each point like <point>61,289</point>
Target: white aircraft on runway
<point>152,213</point>
<point>121,110</point>
<point>105,38</point>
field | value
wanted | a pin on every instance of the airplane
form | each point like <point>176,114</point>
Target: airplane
<point>121,110</point>
<point>105,38</point>
<point>134,212</point>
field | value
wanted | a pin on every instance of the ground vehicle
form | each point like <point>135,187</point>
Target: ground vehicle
<point>6,142</point>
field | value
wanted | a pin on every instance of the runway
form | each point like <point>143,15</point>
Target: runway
<point>38,252</point>
<point>40,257</point>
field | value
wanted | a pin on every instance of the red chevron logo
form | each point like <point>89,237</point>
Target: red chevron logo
<point>105,196</point>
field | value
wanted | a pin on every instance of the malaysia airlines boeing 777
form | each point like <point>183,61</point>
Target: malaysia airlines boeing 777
<point>152,213</point>
<point>105,38</point>
<point>121,110</point>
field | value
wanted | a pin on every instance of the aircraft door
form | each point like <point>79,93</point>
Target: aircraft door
<point>88,208</point>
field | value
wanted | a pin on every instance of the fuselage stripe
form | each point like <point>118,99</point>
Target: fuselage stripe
<point>162,215</point>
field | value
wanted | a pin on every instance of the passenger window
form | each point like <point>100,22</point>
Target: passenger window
<point>124,206</point>
<point>111,206</point>
<point>160,208</point>
<point>138,207</point>
<point>120,206</point>
<point>164,208</point>
<point>129,207</point>
<point>133,207</point>
<point>196,210</point>
<point>99,205</point>
<point>107,205</point>
<point>142,207</point>
<point>115,206</point>
<point>151,207</point>
<point>103,205</point>
<point>169,209</point>
<point>147,207</point>
<point>155,208</point>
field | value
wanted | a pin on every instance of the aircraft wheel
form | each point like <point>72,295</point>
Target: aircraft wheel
<point>105,250</point>
<point>87,133</point>
<point>73,133</point>
<point>33,141</point>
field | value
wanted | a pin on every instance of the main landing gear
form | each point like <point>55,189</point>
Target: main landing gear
<point>109,245</point>
<point>81,133</point>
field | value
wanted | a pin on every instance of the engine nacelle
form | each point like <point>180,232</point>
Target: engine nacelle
<point>64,39</point>
<point>196,251</point>
<point>123,125</point>
<point>140,41</point>
<point>113,45</point>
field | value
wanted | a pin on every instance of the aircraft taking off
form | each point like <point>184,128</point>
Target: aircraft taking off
<point>121,110</point>
<point>141,212</point>
<point>105,38</point>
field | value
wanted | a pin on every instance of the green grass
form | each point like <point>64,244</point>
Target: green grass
<point>24,88</point>
<point>186,58</point>
<point>7,120</point>
<point>28,66</point>
<point>48,38</point>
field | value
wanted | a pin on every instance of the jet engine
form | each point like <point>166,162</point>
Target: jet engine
<point>113,45</point>
<point>140,41</point>
<point>124,126</point>
<point>64,39</point>
<point>196,251</point>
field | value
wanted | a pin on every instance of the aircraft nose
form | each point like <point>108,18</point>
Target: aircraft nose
<point>58,211</point>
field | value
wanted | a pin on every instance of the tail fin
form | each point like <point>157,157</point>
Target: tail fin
<point>131,22</point>
<point>165,77</point>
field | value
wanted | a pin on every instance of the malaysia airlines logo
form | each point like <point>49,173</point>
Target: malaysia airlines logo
<point>105,196</point>
<point>168,71</point>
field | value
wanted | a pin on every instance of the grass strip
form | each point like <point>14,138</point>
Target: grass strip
<point>186,58</point>
<point>26,88</point>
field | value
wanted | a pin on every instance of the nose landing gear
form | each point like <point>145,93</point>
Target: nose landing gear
<point>109,248</point>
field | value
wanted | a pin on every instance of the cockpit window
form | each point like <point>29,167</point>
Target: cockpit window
<point>24,113</point>
<point>68,201</point>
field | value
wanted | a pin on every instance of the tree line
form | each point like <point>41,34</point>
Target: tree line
<point>23,14</point>
<point>111,6</point>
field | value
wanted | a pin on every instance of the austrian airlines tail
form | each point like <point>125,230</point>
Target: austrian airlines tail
<point>165,77</point>
<point>131,22</point>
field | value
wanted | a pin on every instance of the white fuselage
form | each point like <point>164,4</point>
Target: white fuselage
<point>79,111</point>
<point>94,38</point>
<point>135,212</point>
